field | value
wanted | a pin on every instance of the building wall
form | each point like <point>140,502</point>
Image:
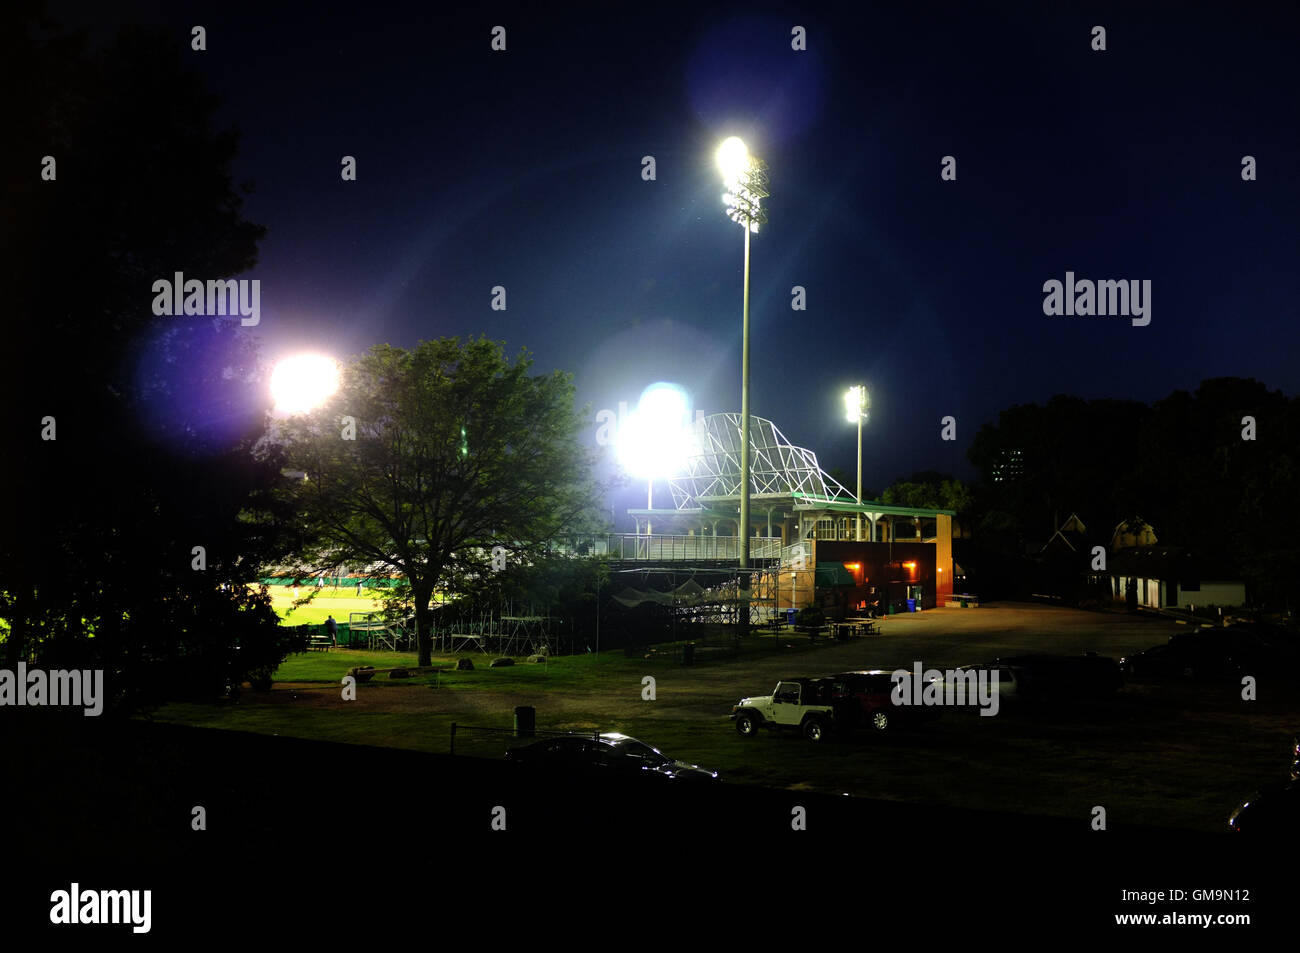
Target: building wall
<point>1160,593</point>
<point>943,559</point>
<point>1214,594</point>
<point>882,568</point>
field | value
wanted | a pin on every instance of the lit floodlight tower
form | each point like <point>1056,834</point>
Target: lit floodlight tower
<point>745,177</point>
<point>857,407</point>
<point>303,382</point>
<point>655,440</point>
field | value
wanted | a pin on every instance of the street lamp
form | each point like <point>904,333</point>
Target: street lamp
<point>857,407</point>
<point>745,177</point>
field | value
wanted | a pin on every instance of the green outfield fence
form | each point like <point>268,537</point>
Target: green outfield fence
<point>347,638</point>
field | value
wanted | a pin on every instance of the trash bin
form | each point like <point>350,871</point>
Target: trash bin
<point>525,721</point>
<point>911,605</point>
<point>889,609</point>
<point>964,605</point>
<point>789,616</point>
<point>688,653</point>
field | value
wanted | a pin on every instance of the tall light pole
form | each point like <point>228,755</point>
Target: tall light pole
<point>745,177</point>
<point>857,407</point>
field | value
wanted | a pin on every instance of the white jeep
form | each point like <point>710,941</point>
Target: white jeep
<point>802,703</point>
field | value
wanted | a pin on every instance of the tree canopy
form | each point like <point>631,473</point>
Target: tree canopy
<point>133,432</point>
<point>1213,471</point>
<point>436,464</point>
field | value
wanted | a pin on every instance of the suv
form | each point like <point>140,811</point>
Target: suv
<point>802,703</point>
<point>873,692</point>
<point>818,706</point>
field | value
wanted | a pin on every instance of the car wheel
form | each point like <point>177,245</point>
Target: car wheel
<point>814,729</point>
<point>746,724</point>
<point>879,720</point>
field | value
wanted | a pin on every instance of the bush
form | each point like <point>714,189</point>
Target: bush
<point>812,615</point>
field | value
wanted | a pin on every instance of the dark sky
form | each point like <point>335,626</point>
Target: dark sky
<point>523,169</point>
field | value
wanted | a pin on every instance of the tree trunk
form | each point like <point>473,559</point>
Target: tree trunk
<point>423,623</point>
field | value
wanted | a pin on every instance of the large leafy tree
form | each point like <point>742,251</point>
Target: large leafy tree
<point>431,463</point>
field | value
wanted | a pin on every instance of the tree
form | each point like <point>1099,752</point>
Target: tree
<point>929,490</point>
<point>153,419</point>
<point>460,457</point>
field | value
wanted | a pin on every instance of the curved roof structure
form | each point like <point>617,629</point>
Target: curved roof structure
<point>777,468</point>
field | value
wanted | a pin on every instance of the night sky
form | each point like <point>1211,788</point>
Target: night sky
<point>523,169</point>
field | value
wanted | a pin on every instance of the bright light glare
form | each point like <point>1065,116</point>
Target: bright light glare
<point>855,402</point>
<point>656,439</point>
<point>303,382</point>
<point>733,159</point>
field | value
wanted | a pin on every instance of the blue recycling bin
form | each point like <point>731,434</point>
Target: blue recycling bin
<point>911,605</point>
<point>789,616</point>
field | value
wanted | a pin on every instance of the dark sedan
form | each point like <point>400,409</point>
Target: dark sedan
<point>612,752</point>
<point>1205,654</point>
<point>1274,809</point>
<point>1048,677</point>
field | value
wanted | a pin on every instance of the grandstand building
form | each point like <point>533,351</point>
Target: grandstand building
<point>833,551</point>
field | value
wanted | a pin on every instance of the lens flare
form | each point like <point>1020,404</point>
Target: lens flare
<point>303,382</point>
<point>656,439</point>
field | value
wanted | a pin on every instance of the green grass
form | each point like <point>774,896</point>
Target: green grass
<point>419,731</point>
<point>333,665</point>
<point>1173,755</point>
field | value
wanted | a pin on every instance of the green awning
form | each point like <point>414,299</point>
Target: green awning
<point>831,575</point>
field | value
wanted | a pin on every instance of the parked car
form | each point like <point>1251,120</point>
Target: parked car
<point>822,706</point>
<point>1273,809</point>
<point>612,752</point>
<point>1011,679</point>
<point>802,704</point>
<point>1046,677</point>
<point>873,691</point>
<point>1226,654</point>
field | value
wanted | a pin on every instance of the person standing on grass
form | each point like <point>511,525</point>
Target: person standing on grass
<point>332,628</point>
<point>358,587</point>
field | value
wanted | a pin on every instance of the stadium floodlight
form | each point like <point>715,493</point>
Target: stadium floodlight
<point>656,439</point>
<point>303,382</point>
<point>857,407</point>
<point>745,177</point>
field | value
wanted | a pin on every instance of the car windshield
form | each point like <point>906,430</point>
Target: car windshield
<point>639,749</point>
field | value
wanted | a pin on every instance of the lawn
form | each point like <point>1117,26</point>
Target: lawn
<point>1175,755</point>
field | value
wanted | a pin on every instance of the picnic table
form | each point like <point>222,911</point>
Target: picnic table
<point>854,627</point>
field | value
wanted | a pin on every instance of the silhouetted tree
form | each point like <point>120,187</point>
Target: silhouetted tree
<point>152,418</point>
